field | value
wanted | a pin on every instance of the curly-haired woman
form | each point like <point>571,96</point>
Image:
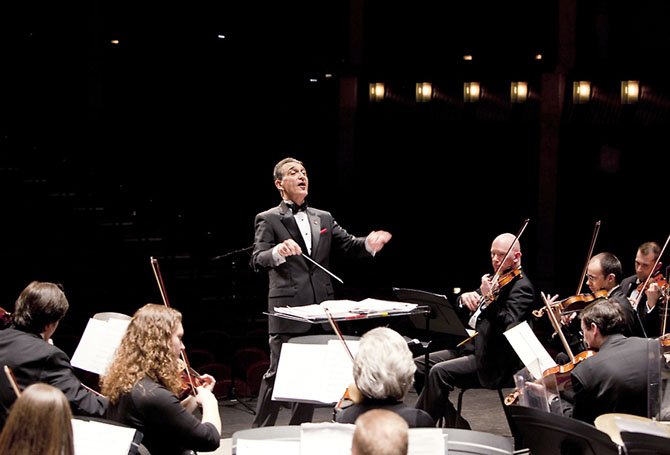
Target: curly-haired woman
<point>144,382</point>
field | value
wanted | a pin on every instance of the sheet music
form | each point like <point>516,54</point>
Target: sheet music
<point>326,438</point>
<point>426,441</point>
<point>315,373</point>
<point>98,344</point>
<point>98,438</point>
<point>346,308</point>
<point>529,349</point>
<point>265,446</point>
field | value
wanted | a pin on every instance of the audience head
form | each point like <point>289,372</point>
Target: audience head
<point>380,432</point>
<point>150,347</point>
<point>39,305</point>
<point>40,422</point>
<point>384,367</point>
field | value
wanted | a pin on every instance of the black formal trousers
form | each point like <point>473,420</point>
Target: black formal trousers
<point>267,409</point>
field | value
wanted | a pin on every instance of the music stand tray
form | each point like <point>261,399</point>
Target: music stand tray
<point>443,317</point>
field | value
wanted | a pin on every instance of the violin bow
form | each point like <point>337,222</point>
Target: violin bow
<point>161,288</point>
<point>557,326</point>
<point>596,229</point>
<point>646,282</point>
<point>12,380</point>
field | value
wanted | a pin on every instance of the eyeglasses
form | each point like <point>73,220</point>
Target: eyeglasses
<point>591,277</point>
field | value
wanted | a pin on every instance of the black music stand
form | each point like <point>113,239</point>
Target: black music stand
<point>443,318</point>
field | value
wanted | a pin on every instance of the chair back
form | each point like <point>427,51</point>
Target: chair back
<point>645,444</point>
<point>552,434</point>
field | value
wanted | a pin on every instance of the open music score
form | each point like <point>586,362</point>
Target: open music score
<point>345,310</point>
<point>98,344</point>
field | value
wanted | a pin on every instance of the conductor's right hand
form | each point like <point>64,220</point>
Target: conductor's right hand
<point>289,247</point>
<point>470,300</point>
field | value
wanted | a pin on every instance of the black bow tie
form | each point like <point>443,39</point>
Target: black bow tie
<point>297,208</point>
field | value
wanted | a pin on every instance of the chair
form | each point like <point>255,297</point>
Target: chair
<point>254,375</point>
<point>552,434</point>
<point>244,357</point>
<point>645,444</point>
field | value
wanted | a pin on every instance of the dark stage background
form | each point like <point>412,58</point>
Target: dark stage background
<point>163,145</point>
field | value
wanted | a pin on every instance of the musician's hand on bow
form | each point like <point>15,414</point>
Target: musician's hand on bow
<point>377,239</point>
<point>653,293</point>
<point>486,285</point>
<point>207,381</point>
<point>470,300</point>
<point>550,300</point>
<point>289,247</point>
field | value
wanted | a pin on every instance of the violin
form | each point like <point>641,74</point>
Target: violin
<point>658,278</point>
<point>571,304</point>
<point>504,279</point>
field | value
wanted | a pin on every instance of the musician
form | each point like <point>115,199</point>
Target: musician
<point>647,309</point>
<point>383,373</point>
<point>616,378</point>
<point>489,360</point>
<point>145,378</point>
<point>26,349</point>
<point>283,234</point>
<point>40,422</point>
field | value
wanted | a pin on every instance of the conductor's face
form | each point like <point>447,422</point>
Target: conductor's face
<point>294,183</point>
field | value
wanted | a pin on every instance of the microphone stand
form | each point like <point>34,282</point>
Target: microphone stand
<point>231,398</point>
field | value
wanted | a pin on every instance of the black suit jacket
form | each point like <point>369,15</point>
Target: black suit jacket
<point>496,359</point>
<point>415,418</point>
<point>297,281</point>
<point>615,379</point>
<point>34,360</point>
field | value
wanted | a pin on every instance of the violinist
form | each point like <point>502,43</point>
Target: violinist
<point>383,372</point>
<point>26,348</point>
<point>488,360</point>
<point>145,379</point>
<point>604,273</point>
<point>647,309</point>
<point>616,378</point>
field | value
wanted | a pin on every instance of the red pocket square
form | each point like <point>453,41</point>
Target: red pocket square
<point>323,231</point>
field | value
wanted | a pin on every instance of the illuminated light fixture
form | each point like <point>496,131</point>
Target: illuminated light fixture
<point>467,57</point>
<point>424,92</point>
<point>581,92</point>
<point>538,56</point>
<point>471,92</point>
<point>377,91</point>
<point>114,41</point>
<point>518,92</point>
<point>630,92</point>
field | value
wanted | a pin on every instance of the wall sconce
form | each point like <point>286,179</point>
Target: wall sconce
<point>377,91</point>
<point>581,92</point>
<point>424,92</point>
<point>630,92</point>
<point>518,92</point>
<point>471,92</point>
